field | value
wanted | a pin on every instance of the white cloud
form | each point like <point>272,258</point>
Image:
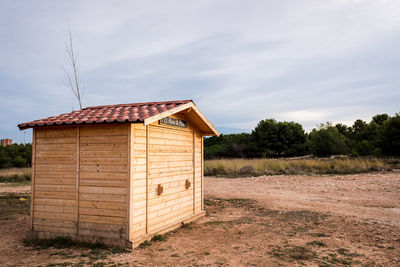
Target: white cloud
<point>304,115</point>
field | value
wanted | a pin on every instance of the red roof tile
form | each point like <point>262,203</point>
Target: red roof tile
<point>135,112</point>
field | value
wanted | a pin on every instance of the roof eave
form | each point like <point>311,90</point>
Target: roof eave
<point>23,127</point>
<point>192,107</point>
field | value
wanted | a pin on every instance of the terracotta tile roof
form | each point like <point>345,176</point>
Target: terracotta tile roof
<point>135,112</point>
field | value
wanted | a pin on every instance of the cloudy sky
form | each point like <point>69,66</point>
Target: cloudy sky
<point>240,61</point>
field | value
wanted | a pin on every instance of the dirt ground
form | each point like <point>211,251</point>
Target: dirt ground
<point>260,221</point>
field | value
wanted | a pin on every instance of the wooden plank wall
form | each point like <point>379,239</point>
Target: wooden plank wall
<point>137,214</point>
<point>170,165</point>
<point>103,181</point>
<point>171,156</point>
<point>90,204</point>
<point>54,208</point>
<point>198,173</point>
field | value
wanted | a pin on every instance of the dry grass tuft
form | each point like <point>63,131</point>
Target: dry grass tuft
<point>15,176</point>
<point>256,167</point>
<point>15,171</point>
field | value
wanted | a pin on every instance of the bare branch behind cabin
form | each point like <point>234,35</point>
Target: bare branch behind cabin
<point>73,84</point>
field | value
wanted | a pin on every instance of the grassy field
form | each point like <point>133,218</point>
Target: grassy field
<point>17,176</point>
<point>256,167</point>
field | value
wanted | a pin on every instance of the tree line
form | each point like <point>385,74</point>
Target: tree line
<point>16,155</point>
<point>271,138</point>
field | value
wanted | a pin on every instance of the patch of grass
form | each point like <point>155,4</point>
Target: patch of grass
<point>187,226</point>
<point>98,254</point>
<point>15,176</point>
<point>7,172</point>
<point>318,234</point>
<point>346,257</point>
<point>98,251</point>
<point>119,250</point>
<point>15,180</point>
<point>64,254</point>
<point>12,205</point>
<point>242,220</point>
<point>62,242</point>
<point>257,167</point>
<point>144,244</point>
<point>207,202</point>
<point>316,243</point>
<point>214,222</point>
<point>304,215</point>
<point>240,201</point>
<point>291,253</point>
<point>158,238</point>
<point>80,263</point>
<point>393,162</point>
<point>236,202</point>
<point>346,252</point>
<point>334,259</point>
<point>59,264</point>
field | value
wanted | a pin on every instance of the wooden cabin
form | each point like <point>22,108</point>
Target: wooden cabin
<point>118,174</point>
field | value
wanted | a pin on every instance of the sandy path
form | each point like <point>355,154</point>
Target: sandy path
<point>372,196</point>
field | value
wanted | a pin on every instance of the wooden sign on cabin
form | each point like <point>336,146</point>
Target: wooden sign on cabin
<point>173,122</point>
<point>118,174</point>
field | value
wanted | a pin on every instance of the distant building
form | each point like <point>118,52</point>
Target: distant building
<point>6,142</point>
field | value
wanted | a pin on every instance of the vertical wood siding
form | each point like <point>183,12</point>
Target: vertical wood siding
<point>171,164</point>
<point>198,172</point>
<point>54,208</point>
<point>91,202</point>
<point>172,161</point>
<point>137,219</point>
<point>103,181</point>
<point>171,156</point>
